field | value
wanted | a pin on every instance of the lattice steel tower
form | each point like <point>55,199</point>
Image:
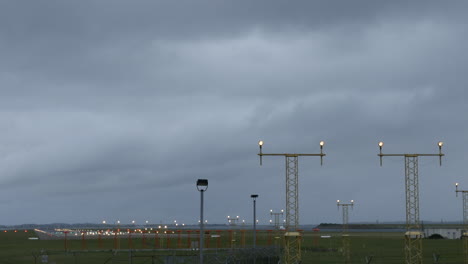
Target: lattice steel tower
<point>292,248</point>
<point>465,222</point>
<point>232,221</point>
<point>345,235</point>
<point>276,216</point>
<point>413,235</point>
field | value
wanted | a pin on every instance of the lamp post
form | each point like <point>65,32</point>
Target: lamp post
<point>254,197</point>
<point>202,186</point>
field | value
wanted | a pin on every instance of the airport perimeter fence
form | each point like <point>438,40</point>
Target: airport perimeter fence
<point>225,247</point>
<point>267,255</point>
<point>165,239</point>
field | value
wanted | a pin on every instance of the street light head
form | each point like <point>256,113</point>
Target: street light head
<point>271,210</point>
<point>322,143</point>
<point>381,144</point>
<point>440,143</point>
<point>337,201</point>
<point>254,196</point>
<point>352,201</point>
<point>456,184</point>
<point>260,143</point>
<point>202,185</point>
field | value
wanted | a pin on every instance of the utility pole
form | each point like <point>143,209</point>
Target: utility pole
<point>413,235</point>
<point>465,222</point>
<point>345,234</point>
<point>292,249</point>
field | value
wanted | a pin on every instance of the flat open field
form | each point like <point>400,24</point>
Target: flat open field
<point>385,247</point>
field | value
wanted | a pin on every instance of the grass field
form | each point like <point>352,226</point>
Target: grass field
<point>385,247</point>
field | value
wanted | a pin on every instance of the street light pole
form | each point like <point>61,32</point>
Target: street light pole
<point>202,186</point>
<point>254,197</point>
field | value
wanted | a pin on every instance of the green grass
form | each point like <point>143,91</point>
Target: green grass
<point>385,247</point>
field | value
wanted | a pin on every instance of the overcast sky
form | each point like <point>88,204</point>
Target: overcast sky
<point>111,110</point>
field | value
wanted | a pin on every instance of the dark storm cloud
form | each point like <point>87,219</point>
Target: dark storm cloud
<point>113,42</point>
<point>108,103</point>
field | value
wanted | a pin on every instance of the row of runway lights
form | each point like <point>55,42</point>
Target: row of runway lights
<point>107,233</point>
<point>102,232</point>
<point>113,233</point>
<point>110,233</point>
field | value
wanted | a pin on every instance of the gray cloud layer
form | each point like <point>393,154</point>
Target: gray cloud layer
<point>112,109</point>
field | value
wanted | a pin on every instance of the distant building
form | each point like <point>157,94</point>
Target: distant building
<point>449,233</point>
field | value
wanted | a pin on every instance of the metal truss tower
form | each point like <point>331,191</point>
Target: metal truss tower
<point>276,216</point>
<point>292,249</point>
<point>465,222</point>
<point>413,235</point>
<point>345,235</point>
<point>232,221</point>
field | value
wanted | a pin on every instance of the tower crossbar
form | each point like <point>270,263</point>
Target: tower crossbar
<point>413,236</point>
<point>276,217</point>
<point>292,250</point>
<point>345,227</point>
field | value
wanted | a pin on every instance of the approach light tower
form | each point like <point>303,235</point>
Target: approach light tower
<point>413,235</point>
<point>345,235</point>
<point>465,222</point>
<point>292,250</point>
<point>276,216</point>
<point>233,220</point>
